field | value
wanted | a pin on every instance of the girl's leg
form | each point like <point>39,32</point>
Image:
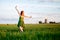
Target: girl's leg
<point>21,29</point>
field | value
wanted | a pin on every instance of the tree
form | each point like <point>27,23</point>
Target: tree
<point>40,22</point>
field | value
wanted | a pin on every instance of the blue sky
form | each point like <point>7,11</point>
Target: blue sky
<point>38,9</point>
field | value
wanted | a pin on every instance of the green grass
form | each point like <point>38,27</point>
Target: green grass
<point>31,32</point>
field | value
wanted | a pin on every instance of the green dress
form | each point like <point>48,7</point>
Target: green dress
<point>21,22</point>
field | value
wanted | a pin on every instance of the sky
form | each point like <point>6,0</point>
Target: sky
<point>38,9</point>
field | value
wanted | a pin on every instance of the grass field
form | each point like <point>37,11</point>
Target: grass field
<point>31,32</point>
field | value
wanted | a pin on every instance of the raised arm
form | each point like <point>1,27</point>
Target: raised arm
<point>28,16</point>
<point>17,9</point>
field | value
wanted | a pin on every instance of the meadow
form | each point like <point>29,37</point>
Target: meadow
<point>31,32</point>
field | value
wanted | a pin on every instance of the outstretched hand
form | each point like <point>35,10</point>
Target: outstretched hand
<point>16,6</point>
<point>30,16</point>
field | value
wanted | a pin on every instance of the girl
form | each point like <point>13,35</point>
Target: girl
<point>21,19</point>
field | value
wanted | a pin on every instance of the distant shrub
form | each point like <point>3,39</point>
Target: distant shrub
<point>7,24</point>
<point>52,22</point>
<point>40,22</point>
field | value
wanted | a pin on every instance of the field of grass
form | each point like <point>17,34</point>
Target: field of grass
<point>31,32</point>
